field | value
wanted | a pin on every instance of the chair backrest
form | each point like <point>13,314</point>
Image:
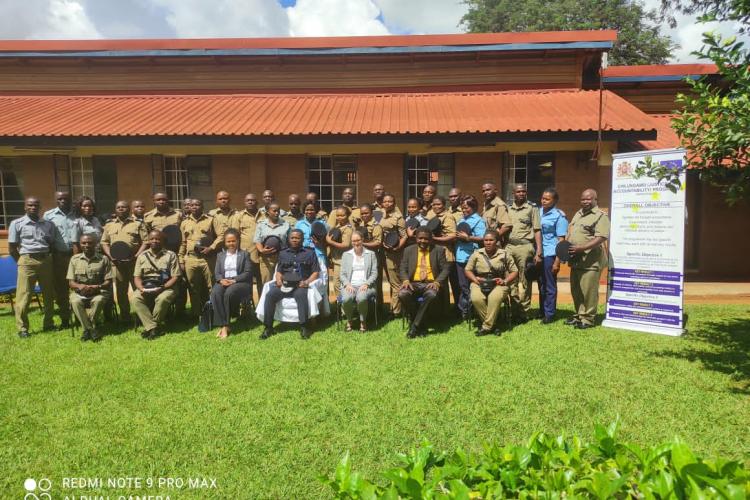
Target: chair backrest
<point>8,274</point>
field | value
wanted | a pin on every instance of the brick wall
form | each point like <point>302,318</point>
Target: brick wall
<point>474,169</point>
<point>39,179</point>
<point>385,169</point>
<point>285,175</point>
<point>134,180</point>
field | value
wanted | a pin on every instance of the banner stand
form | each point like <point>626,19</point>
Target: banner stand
<point>646,274</point>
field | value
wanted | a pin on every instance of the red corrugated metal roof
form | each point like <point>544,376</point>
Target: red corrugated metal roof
<point>309,42</point>
<point>283,115</point>
<point>661,70</point>
<point>666,137</point>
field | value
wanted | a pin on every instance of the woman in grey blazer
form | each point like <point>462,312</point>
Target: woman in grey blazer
<point>359,272</point>
<point>233,281</point>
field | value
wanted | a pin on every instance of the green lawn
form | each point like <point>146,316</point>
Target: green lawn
<point>266,418</point>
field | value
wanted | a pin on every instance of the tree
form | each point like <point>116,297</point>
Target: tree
<point>639,40</point>
<point>714,120</point>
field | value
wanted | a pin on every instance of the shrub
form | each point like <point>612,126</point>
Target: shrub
<point>551,467</point>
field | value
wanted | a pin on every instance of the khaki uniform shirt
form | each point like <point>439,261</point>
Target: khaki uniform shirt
<point>130,231</point>
<point>222,219</point>
<point>246,223</point>
<point>346,239</point>
<point>354,217</point>
<point>525,220</point>
<point>89,271</point>
<point>164,260</point>
<point>193,230</point>
<point>457,214</point>
<point>502,263</point>
<point>157,220</point>
<point>584,227</point>
<point>448,228</point>
<point>373,231</point>
<point>496,214</point>
<point>393,222</point>
<point>291,219</point>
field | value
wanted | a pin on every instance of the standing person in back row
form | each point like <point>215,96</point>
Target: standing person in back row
<point>495,212</point>
<point>32,241</point>
<point>223,214</point>
<point>524,244</point>
<point>162,215</point>
<point>64,218</point>
<point>588,233</point>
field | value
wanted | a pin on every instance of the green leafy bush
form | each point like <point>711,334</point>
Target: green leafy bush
<point>551,467</point>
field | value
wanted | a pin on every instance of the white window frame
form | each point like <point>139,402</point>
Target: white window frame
<point>315,169</point>
<point>81,177</point>
<point>422,164</point>
<point>176,180</point>
<point>5,217</point>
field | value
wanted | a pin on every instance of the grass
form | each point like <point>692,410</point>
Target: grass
<point>266,418</point>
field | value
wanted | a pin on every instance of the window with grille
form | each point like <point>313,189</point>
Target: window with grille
<point>435,169</point>
<point>536,170</point>
<point>328,176</point>
<point>81,177</point>
<point>184,177</point>
<point>11,191</point>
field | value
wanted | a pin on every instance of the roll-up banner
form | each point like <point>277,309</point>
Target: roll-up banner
<point>646,274</point>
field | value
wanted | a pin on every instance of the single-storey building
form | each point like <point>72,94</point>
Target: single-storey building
<point>121,119</point>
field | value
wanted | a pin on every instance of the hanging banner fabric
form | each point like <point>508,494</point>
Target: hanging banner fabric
<point>646,245</point>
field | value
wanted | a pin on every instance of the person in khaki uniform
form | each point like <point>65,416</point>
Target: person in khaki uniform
<point>373,240</point>
<point>495,211</point>
<point>90,281</point>
<point>454,197</point>
<point>587,233</point>
<point>197,261</point>
<point>337,248</point>
<point>162,215</point>
<point>428,194</point>
<point>156,277</point>
<point>393,221</point>
<point>447,239</point>
<point>486,265</point>
<point>347,200</point>
<point>271,225</point>
<point>294,215</point>
<point>31,241</point>
<point>246,222</point>
<point>128,230</point>
<point>223,214</point>
<point>312,197</point>
<point>65,218</point>
<point>524,243</point>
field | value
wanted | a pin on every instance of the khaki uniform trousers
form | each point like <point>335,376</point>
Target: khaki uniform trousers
<point>584,287</point>
<point>520,289</point>
<point>267,266</point>
<point>87,316</point>
<point>488,307</point>
<point>199,274</point>
<point>123,280</point>
<point>33,268</point>
<point>152,309</point>
<point>392,265</point>
<point>60,263</point>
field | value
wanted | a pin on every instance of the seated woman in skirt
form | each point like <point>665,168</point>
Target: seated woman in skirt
<point>359,273</point>
<point>489,270</point>
<point>233,281</point>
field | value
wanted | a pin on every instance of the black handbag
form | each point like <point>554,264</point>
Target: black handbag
<point>205,322</point>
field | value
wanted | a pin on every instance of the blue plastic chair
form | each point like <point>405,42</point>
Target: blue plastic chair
<point>9,277</point>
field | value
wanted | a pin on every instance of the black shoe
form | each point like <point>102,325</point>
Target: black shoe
<point>412,333</point>
<point>583,326</point>
<point>482,332</point>
<point>154,334</point>
<point>62,326</point>
<point>95,336</point>
<point>50,328</point>
<point>547,321</point>
<point>86,336</point>
<point>24,334</point>
<point>305,333</point>
<point>145,334</point>
<point>572,322</point>
<point>268,332</point>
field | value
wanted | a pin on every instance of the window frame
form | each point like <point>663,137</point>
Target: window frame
<point>315,169</point>
<point>15,164</point>
<point>414,190</point>
<point>511,170</point>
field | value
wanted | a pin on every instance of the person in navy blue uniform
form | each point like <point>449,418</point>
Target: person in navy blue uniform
<point>293,260</point>
<point>554,228</point>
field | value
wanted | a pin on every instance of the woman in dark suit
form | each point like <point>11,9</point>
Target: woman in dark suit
<point>233,276</point>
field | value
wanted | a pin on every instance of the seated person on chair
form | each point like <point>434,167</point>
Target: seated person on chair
<point>156,277</point>
<point>489,269</point>
<point>359,273</point>
<point>297,268</point>
<point>90,281</point>
<point>233,281</point>
<point>424,269</point>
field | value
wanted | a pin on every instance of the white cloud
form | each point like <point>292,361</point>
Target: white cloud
<point>46,19</point>
<point>225,18</point>
<point>423,16</point>
<point>335,18</point>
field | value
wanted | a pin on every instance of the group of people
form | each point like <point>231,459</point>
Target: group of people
<point>483,254</point>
